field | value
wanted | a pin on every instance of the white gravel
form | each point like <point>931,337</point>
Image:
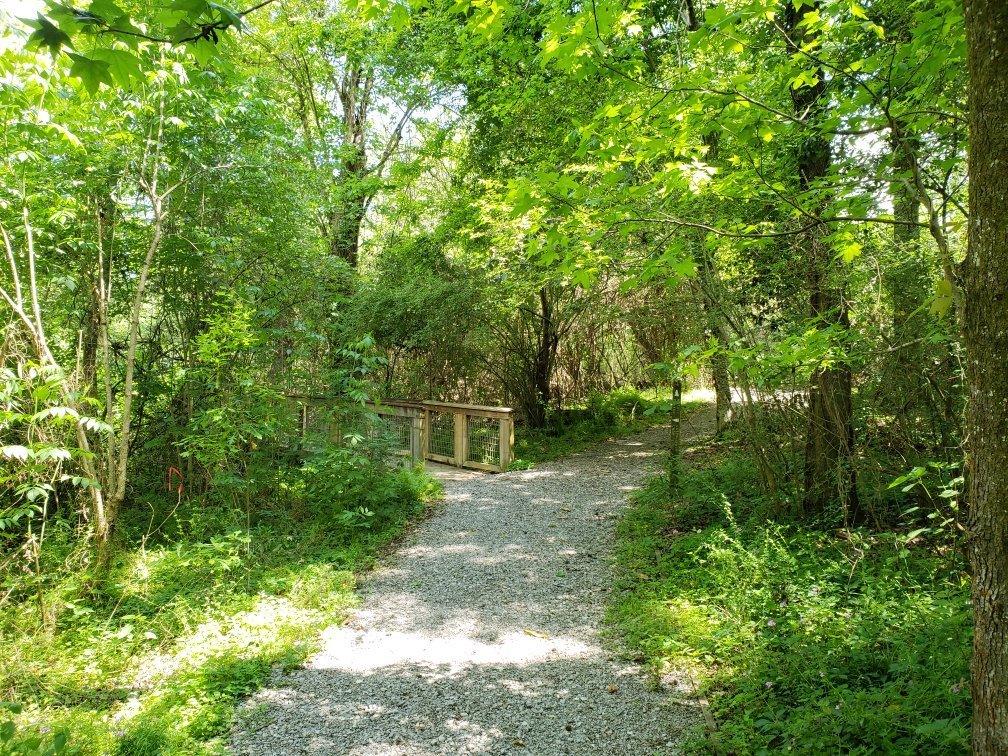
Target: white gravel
<point>483,634</point>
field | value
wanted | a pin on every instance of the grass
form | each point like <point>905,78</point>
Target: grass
<point>603,416</point>
<point>156,661</point>
<point>804,639</point>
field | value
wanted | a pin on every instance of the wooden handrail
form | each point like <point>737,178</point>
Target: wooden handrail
<point>474,410</point>
<point>417,415</point>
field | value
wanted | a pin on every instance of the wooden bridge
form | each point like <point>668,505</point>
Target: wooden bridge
<point>463,435</point>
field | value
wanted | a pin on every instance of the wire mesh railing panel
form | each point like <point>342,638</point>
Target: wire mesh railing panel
<point>396,429</point>
<point>483,440</point>
<point>313,420</point>
<point>441,434</point>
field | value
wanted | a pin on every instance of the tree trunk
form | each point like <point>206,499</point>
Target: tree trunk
<point>719,361</point>
<point>986,336</point>
<point>675,436</point>
<point>722,392</point>
<point>906,283</point>
<point>545,358</point>
<point>829,445</point>
<point>346,220</point>
<point>347,215</point>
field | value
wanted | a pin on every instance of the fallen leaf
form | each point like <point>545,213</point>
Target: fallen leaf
<point>518,743</point>
<point>536,633</point>
<point>612,688</point>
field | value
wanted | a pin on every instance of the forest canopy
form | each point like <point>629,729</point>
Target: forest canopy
<point>228,230</point>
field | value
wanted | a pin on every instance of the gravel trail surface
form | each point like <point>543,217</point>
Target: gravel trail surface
<point>483,632</point>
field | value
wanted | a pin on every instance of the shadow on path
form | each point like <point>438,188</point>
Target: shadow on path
<point>482,634</point>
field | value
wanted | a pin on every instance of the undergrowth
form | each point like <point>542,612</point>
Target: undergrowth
<point>805,639</point>
<point>154,658</point>
<point>601,416</point>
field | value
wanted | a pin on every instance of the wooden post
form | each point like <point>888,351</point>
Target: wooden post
<point>460,438</point>
<point>506,441</point>
<point>424,433</point>
<point>416,436</point>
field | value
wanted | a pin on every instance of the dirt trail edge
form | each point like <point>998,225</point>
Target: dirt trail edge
<point>483,633</point>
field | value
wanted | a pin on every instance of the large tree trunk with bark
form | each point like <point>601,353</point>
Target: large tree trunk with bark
<point>986,335</point>
<point>829,445</point>
<point>907,283</point>
<point>347,214</point>
<point>906,374</point>
<point>346,220</point>
<point>545,358</point>
<point>719,361</point>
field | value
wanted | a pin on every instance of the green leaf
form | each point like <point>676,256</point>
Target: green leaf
<point>203,50</point>
<point>92,73</point>
<point>399,16</point>
<point>805,79</point>
<point>941,303</point>
<point>183,30</point>
<point>228,16</point>
<point>715,15</point>
<point>192,7</point>
<point>14,451</point>
<point>849,251</point>
<point>685,268</point>
<point>125,67</point>
<point>105,10</point>
<point>47,35</point>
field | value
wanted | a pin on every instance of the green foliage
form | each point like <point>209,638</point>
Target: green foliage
<point>619,413</point>
<point>15,742</point>
<point>188,625</point>
<point>805,640</point>
<point>547,198</point>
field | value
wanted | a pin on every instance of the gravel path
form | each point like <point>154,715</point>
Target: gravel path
<point>483,633</point>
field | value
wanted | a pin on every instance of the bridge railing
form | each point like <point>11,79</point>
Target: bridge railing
<point>464,435</point>
<point>403,421</point>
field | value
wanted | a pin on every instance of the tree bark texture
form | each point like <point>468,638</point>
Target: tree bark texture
<point>907,283</point>
<point>545,358</point>
<point>986,336</point>
<point>829,446</point>
<point>675,435</point>
<point>718,363</point>
<point>347,216</point>
<point>907,372</point>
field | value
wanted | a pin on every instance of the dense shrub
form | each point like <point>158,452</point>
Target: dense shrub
<point>805,640</point>
<point>192,618</point>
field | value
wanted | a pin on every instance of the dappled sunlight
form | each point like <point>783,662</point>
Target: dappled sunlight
<point>535,474</point>
<point>482,635</point>
<point>367,652</point>
<point>250,629</point>
<point>432,708</point>
<point>427,551</point>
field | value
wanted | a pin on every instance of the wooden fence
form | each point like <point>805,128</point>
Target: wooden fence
<point>464,435</point>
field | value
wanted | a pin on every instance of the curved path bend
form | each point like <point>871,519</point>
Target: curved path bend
<point>483,632</point>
